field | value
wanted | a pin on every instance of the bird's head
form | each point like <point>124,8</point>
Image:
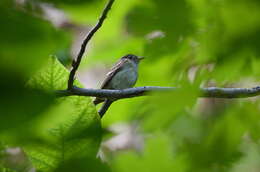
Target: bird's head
<point>133,58</point>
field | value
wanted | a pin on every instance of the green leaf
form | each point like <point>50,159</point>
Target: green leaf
<point>53,76</point>
<point>70,128</point>
<point>25,44</point>
<point>229,28</point>
<point>19,104</point>
<point>171,105</point>
<point>83,164</point>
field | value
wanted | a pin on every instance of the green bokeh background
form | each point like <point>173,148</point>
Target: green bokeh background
<point>186,43</point>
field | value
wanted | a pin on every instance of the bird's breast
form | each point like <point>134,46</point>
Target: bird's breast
<point>126,78</point>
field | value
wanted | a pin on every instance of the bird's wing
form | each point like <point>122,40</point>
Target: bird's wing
<point>116,68</point>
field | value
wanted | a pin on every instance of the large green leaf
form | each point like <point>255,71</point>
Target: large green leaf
<point>70,128</point>
<point>25,44</point>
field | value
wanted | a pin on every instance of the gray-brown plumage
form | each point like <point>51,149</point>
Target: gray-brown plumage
<point>123,75</point>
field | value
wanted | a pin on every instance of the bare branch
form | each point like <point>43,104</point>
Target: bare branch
<point>211,92</point>
<point>215,92</point>
<point>76,63</point>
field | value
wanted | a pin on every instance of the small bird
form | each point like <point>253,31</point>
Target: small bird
<point>123,75</point>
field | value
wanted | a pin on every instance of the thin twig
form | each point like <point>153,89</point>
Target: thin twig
<point>76,63</point>
<point>210,92</point>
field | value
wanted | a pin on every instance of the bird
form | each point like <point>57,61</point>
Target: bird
<point>122,75</point>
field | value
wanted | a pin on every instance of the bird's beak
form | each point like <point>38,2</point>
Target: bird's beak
<point>140,58</point>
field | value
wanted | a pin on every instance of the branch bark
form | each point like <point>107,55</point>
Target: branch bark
<point>76,63</point>
<point>210,92</point>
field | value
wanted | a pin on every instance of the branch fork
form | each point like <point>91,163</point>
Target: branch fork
<point>76,62</point>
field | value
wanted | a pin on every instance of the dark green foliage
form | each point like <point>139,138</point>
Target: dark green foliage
<point>171,18</point>
<point>83,164</point>
<point>24,35</point>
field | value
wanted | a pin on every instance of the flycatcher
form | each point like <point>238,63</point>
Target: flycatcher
<point>123,75</point>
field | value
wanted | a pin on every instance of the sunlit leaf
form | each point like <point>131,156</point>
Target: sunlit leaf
<point>70,127</point>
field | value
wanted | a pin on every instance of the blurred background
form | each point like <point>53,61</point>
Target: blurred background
<point>186,43</point>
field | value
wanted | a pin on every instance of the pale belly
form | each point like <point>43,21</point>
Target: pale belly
<point>124,79</point>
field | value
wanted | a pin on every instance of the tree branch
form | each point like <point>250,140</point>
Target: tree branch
<point>75,64</point>
<point>104,107</point>
<point>210,92</point>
